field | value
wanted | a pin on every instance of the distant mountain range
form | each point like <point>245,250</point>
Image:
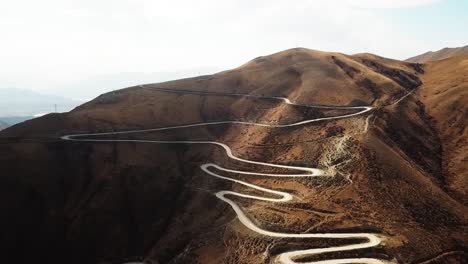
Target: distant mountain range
<point>3,125</point>
<point>6,122</point>
<point>439,55</point>
<point>21,102</point>
<point>18,105</point>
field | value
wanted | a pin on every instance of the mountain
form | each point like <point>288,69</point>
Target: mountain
<point>26,103</point>
<point>3,125</point>
<point>13,120</point>
<point>439,55</point>
<point>372,170</point>
<point>445,95</point>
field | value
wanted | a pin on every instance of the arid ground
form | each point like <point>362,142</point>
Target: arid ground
<point>397,171</point>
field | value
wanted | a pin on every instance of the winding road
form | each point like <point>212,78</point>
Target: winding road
<point>368,240</point>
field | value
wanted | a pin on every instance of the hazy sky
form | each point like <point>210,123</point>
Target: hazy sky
<point>85,47</point>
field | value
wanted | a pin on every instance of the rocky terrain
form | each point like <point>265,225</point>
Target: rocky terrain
<point>398,171</point>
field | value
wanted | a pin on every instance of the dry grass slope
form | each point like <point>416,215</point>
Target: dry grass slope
<point>439,55</point>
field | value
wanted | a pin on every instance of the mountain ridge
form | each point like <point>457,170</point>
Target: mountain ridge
<point>27,103</point>
<point>441,54</point>
<point>387,169</point>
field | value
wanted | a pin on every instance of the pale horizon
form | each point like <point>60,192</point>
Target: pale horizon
<point>82,49</point>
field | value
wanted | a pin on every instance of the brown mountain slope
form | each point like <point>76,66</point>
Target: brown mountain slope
<point>110,202</point>
<point>439,55</point>
<point>304,76</point>
<point>445,96</point>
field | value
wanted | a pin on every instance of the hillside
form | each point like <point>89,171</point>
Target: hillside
<point>390,171</point>
<point>439,55</point>
<point>445,95</point>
